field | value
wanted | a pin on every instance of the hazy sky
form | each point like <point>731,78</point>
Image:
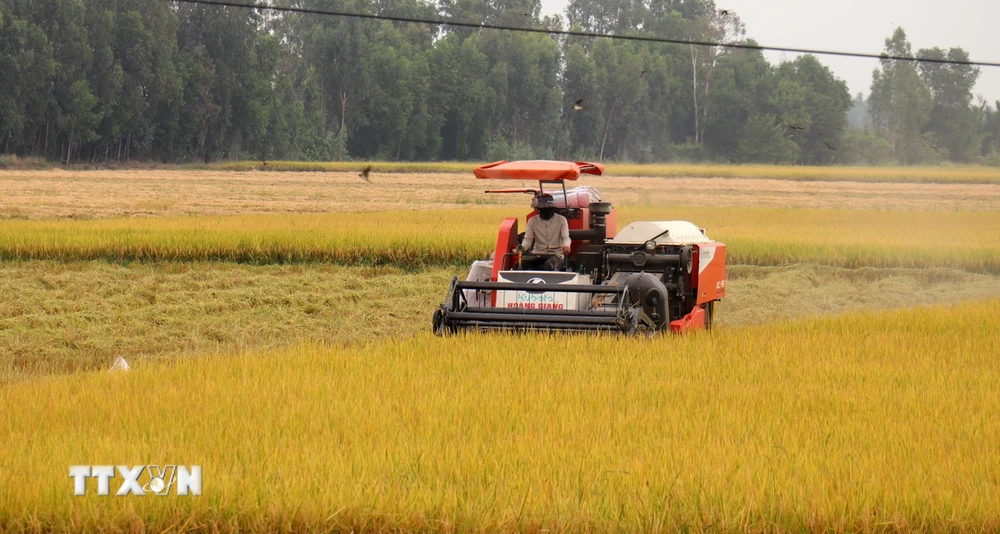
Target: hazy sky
<point>863,26</point>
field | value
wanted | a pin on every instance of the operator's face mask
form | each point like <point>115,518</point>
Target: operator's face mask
<point>546,213</point>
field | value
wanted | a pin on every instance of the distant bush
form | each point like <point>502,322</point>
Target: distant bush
<point>930,152</point>
<point>330,147</point>
<point>763,140</point>
<point>13,161</point>
<point>499,147</point>
<point>993,159</point>
<point>689,153</point>
<point>865,147</point>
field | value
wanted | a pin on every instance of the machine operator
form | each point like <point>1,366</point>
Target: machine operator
<point>547,236</point>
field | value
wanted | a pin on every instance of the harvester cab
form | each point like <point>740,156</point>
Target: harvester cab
<point>650,276</point>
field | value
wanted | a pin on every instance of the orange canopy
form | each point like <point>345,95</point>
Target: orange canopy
<point>537,170</point>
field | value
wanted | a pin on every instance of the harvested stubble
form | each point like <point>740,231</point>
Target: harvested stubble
<point>940,174</point>
<point>60,317</point>
<point>63,317</point>
<point>106,193</point>
<point>863,422</point>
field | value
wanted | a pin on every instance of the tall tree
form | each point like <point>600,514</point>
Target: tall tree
<point>80,116</point>
<point>900,101</point>
<point>718,27</point>
<point>742,83</point>
<point>812,105</point>
<point>504,12</point>
<point>524,78</point>
<point>114,80</point>
<point>27,66</point>
<point>859,117</point>
<point>952,119</point>
<point>607,16</point>
<point>461,92</point>
<point>990,127</point>
<point>584,107</point>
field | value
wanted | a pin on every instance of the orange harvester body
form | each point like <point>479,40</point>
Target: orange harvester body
<point>650,275</point>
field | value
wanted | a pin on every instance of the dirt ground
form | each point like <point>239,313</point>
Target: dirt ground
<point>61,193</point>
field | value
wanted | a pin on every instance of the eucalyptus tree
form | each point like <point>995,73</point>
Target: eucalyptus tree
<point>900,101</point>
<point>953,120</point>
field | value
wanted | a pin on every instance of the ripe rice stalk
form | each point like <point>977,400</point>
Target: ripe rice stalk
<point>414,239</point>
<point>861,422</point>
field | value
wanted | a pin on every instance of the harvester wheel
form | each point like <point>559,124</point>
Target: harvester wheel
<point>438,323</point>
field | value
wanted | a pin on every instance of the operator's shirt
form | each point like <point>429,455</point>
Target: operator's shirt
<point>547,237</point>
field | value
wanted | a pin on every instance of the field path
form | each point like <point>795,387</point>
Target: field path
<point>60,193</point>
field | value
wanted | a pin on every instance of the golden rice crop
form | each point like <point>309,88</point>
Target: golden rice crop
<point>758,236</point>
<point>846,238</point>
<point>940,174</point>
<point>863,422</point>
<point>408,238</point>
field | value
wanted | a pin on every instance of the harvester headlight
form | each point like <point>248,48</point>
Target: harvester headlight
<point>650,246</point>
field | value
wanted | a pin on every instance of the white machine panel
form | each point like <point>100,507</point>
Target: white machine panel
<point>663,232</point>
<point>541,299</point>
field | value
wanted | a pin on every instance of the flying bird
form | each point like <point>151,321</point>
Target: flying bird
<point>365,172</point>
<point>724,12</point>
<point>643,73</point>
<point>578,105</point>
<point>794,127</point>
<point>828,145</point>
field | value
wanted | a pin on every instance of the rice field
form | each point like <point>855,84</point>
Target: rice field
<point>61,318</point>
<point>415,239</point>
<point>862,422</point>
<point>277,332</point>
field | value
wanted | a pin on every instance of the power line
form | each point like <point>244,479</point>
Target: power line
<point>572,33</point>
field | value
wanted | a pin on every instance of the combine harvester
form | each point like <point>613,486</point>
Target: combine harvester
<point>650,276</point>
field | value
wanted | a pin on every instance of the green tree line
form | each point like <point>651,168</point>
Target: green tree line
<point>127,80</point>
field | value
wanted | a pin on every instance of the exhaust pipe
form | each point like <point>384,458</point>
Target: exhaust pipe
<point>599,212</point>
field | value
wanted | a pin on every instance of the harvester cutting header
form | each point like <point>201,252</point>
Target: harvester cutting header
<point>573,270</point>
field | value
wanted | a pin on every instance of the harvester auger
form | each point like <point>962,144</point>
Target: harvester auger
<point>650,276</point>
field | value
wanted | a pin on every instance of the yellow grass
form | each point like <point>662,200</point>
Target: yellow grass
<point>867,422</point>
<point>757,236</point>
<point>938,174</point>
